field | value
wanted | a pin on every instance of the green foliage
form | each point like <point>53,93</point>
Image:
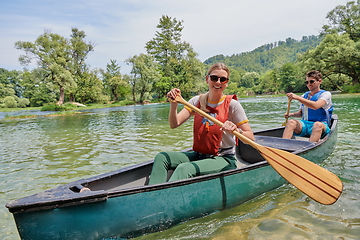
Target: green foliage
<point>267,57</point>
<point>177,60</point>
<point>290,78</point>
<point>145,73</point>
<point>352,89</point>
<point>55,107</point>
<point>344,19</point>
<point>61,59</point>
<point>22,102</point>
<point>268,83</point>
<point>336,54</point>
<point>249,79</point>
<point>9,102</point>
<point>114,84</point>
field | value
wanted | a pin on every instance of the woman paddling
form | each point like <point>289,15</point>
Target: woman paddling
<point>213,147</point>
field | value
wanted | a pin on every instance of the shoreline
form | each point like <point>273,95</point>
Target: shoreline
<point>109,105</point>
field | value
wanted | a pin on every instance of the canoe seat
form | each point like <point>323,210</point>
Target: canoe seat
<point>247,153</point>
<point>290,145</point>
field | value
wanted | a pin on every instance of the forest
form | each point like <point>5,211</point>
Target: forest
<point>62,74</point>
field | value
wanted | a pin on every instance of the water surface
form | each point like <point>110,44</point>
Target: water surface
<point>40,153</point>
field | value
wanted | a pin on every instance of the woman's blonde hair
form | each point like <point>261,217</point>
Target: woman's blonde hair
<point>219,66</point>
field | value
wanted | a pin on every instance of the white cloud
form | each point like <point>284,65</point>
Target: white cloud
<point>121,28</point>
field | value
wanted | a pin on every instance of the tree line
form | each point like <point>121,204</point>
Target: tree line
<point>62,74</point>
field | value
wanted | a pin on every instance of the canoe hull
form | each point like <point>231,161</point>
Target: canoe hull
<point>135,214</point>
<point>134,211</point>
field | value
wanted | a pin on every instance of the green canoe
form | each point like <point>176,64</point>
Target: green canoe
<point>120,204</point>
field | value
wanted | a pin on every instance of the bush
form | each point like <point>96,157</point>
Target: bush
<point>352,89</point>
<point>53,107</point>
<point>10,102</point>
<point>23,102</point>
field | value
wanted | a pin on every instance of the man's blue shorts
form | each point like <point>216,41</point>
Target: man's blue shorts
<point>307,126</point>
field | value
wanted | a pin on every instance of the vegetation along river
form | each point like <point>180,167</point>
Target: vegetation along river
<point>40,153</point>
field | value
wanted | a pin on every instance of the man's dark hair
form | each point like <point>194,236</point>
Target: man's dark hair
<point>315,74</point>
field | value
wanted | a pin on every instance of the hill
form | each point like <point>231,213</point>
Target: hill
<point>267,56</point>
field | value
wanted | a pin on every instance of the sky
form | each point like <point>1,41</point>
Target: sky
<point>120,29</point>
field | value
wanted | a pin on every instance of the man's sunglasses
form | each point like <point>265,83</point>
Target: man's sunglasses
<point>215,78</point>
<point>311,82</point>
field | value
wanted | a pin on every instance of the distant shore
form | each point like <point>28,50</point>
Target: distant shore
<point>109,105</point>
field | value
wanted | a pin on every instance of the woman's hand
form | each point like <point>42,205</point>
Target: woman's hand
<point>229,127</point>
<point>173,93</point>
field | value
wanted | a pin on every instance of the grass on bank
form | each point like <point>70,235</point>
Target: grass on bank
<point>65,109</point>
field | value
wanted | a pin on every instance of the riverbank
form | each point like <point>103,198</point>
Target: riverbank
<point>77,108</point>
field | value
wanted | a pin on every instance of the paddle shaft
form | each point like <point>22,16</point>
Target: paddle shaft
<point>287,112</point>
<point>313,180</point>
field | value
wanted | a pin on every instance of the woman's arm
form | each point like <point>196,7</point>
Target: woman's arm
<point>176,118</point>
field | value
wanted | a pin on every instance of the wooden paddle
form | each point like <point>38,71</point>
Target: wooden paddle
<point>287,112</point>
<point>313,180</point>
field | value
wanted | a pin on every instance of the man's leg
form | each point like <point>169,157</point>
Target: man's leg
<point>291,127</point>
<point>317,130</point>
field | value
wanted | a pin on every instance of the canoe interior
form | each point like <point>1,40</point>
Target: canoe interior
<point>246,155</point>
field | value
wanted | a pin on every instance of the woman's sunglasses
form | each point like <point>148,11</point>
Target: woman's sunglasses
<point>215,78</point>
<point>311,82</point>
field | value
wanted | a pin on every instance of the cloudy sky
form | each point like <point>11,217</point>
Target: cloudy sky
<point>120,29</point>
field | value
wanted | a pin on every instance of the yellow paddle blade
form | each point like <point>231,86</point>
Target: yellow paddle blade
<point>318,183</point>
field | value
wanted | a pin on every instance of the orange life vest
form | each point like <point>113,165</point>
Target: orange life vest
<point>207,135</point>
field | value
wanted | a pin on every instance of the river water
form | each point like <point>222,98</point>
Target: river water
<point>43,152</point>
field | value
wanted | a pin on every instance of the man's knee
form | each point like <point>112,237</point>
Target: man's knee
<point>318,127</point>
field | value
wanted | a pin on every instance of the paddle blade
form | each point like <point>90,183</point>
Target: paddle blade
<point>318,183</point>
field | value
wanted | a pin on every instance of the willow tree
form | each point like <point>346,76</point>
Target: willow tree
<point>61,59</point>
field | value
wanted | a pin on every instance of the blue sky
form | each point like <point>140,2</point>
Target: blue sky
<point>120,29</point>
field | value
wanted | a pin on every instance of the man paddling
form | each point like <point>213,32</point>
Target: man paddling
<point>315,111</point>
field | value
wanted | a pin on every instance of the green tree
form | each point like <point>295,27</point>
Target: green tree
<point>9,102</point>
<point>90,88</point>
<point>269,83</point>
<point>37,88</point>
<point>344,19</point>
<point>145,74</point>
<point>249,79</point>
<point>289,77</point>
<point>179,66</point>
<point>10,83</point>
<point>79,51</point>
<point>335,55</point>
<point>61,59</point>
<point>113,82</point>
